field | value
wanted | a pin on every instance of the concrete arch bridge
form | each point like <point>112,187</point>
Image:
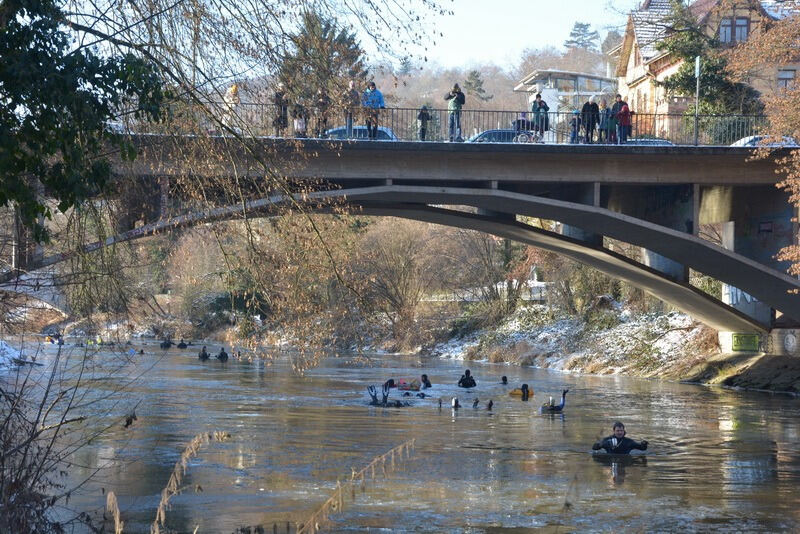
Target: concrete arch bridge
<point>653,197</point>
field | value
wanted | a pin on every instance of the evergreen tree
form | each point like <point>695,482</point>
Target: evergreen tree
<point>323,55</point>
<point>613,39</point>
<point>582,36</point>
<point>718,93</point>
<point>473,85</point>
<point>406,66</point>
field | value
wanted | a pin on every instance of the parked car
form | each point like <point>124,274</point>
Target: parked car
<point>506,135</point>
<point>758,140</point>
<point>360,132</point>
<point>649,141</point>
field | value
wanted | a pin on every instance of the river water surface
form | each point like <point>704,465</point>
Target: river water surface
<point>719,460</point>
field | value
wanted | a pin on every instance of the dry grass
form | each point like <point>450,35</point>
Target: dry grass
<point>174,483</point>
<point>383,464</point>
<point>112,508</point>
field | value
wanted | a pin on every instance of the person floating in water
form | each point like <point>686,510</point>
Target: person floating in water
<point>504,380</point>
<point>617,443</point>
<point>466,380</point>
<point>182,344</point>
<point>551,407</point>
<point>425,382</point>
<point>222,356</point>
<point>203,355</point>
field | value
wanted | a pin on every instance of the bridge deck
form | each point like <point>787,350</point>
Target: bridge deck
<point>468,163</point>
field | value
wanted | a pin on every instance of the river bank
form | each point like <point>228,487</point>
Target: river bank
<point>670,346</point>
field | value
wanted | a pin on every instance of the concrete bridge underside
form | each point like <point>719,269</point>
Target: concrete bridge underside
<point>410,202</point>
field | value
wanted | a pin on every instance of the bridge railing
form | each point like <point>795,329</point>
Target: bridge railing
<point>406,124</point>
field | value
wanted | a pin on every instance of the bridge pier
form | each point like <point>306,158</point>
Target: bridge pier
<point>589,194</point>
<point>756,222</point>
<point>674,206</point>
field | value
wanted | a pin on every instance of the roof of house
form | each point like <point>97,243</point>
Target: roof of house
<point>649,26</point>
<point>778,9</point>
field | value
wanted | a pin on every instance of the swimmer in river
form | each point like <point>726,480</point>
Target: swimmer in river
<point>617,443</point>
<point>425,382</point>
<point>466,380</point>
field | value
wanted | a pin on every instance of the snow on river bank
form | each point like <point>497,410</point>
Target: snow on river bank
<point>613,342</point>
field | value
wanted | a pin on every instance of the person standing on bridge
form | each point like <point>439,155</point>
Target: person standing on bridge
<point>300,120</point>
<point>423,117</point>
<point>352,100</point>
<point>590,115</point>
<point>321,110</point>
<point>281,102</point>
<point>621,113</point>
<point>541,121</point>
<point>372,101</point>
<point>231,100</point>
<point>604,128</point>
<point>455,101</point>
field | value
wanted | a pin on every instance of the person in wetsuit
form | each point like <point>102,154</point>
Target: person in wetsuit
<point>466,380</point>
<point>617,443</point>
<point>425,383</point>
<point>222,356</point>
<point>203,355</point>
<point>389,384</point>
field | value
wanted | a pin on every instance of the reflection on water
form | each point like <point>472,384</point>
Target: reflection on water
<point>718,460</point>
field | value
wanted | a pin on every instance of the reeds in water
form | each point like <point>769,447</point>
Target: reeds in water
<point>383,464</point>
<point>173,486</point>
<point>112,509</point>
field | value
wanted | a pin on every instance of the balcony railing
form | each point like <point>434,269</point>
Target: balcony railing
<point>438,125</point>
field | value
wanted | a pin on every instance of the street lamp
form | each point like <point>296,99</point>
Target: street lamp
<point>696,97</point>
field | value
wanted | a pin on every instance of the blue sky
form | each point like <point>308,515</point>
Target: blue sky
<point>497,31</point>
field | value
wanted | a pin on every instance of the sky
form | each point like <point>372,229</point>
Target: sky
<point>497,31</point>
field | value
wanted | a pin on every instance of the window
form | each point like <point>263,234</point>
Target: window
<point>742,29</point>
<point>725,31</point>
<point>565,85</point>
<point>786,78</point>
<point>593,85</point>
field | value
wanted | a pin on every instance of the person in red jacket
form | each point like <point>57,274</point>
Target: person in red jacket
<point>622,113</point>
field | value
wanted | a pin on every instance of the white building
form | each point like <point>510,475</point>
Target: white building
<point>565,90</point>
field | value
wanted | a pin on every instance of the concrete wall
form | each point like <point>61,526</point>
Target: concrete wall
<point>761,216</point>
<point>673,206</point>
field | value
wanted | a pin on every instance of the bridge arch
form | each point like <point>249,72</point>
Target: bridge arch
<point>412,202</point>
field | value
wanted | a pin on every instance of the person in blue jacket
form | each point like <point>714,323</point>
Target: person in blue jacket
<point>617,443</point>
<point>372,101</point>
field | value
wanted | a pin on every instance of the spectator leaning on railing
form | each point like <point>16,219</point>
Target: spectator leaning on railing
<point>372,100</point>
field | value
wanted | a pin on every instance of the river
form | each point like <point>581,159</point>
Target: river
<point>719,460</point>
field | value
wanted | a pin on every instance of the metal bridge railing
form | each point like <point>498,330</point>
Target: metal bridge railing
<point>406,124</point>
